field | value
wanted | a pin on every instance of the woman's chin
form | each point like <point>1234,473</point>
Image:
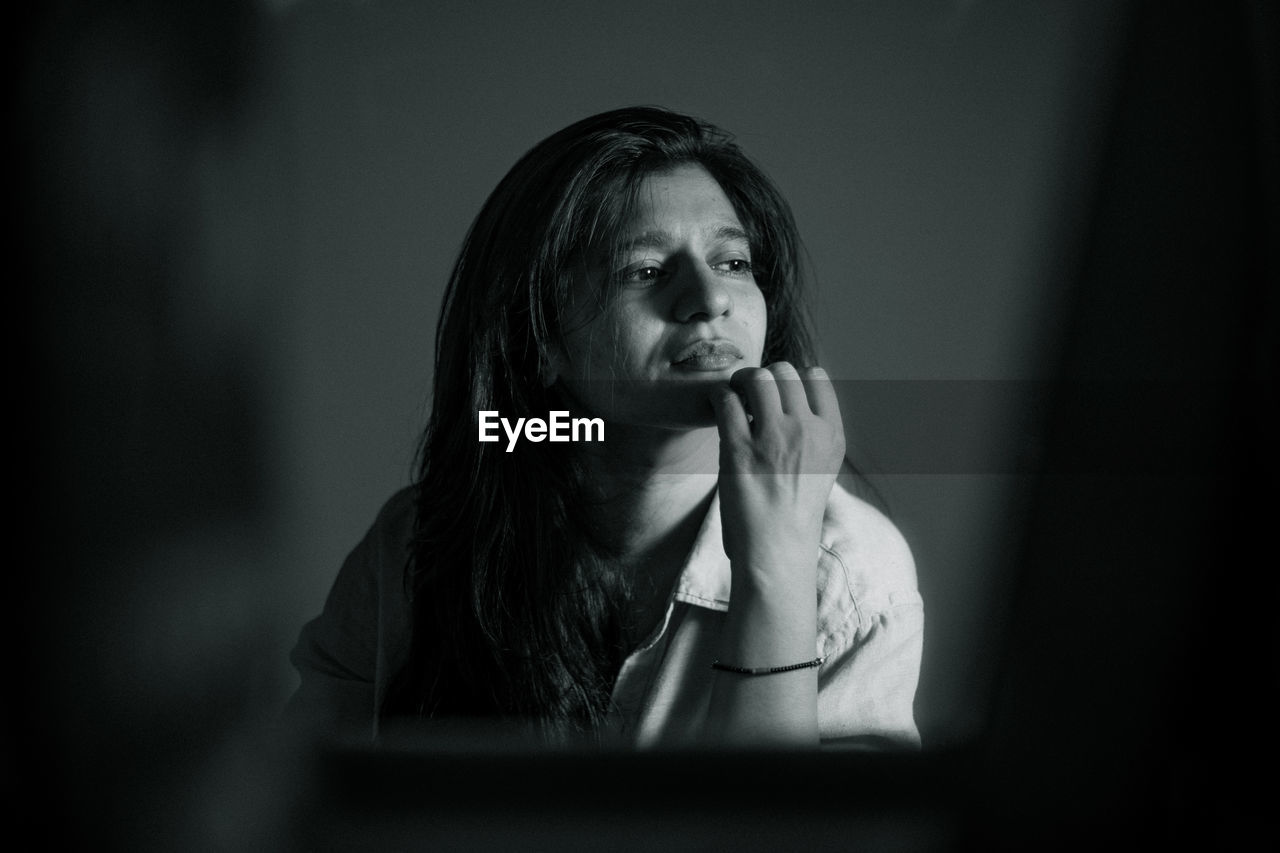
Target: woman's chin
<point>669,405</point>
<point>680,406</point>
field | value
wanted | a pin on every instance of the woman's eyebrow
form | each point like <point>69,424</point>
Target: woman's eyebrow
<point>661,239</point>
<point>726,233</point>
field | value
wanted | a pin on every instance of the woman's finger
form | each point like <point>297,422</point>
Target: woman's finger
<point>760,391</point>
<point>822,395</point>
<point>731,416</point>
<point>791,392</point>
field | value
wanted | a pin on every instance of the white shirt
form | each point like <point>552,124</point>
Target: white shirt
<point>870,630</point>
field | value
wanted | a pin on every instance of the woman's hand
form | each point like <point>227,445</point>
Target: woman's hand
<point>781,447</point>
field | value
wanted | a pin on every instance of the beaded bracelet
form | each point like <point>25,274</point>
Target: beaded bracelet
<point>766,670</point>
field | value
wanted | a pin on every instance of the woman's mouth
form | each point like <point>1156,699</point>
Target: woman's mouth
<point>707,355</point>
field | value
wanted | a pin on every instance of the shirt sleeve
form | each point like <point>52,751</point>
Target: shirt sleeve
<point>867,686</point>
<point>871,631</point>
<point>341,654</point>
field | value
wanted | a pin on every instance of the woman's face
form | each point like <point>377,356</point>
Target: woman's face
<point>687,314</point>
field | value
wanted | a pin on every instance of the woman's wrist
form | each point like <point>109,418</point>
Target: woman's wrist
<point>766,631</point>
<point>777,569</point>
<point>768,627</point>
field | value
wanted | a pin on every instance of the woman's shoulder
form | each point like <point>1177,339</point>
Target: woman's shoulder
<point>396,517</point>
<point>866,563</point>
<point>390,537</point>
<point>377,562</point>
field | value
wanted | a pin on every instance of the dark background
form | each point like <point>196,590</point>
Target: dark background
<point>1043,240</point>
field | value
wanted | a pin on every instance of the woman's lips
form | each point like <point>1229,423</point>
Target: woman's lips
<point>707,355</point>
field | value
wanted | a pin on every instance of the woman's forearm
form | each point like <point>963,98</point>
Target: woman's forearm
<point>769,624</point>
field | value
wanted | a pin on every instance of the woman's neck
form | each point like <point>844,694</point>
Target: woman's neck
<point>649,494</point>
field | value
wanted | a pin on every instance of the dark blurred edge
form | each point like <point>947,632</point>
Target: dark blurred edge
<point>1132,705</point>
<point>672,801</point>
<point>133,433</point>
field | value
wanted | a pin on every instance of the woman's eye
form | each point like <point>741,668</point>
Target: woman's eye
<point>735,266</point>
<point>646,274</point>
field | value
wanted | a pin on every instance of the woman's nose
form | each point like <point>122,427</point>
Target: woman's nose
<point>703,294</point>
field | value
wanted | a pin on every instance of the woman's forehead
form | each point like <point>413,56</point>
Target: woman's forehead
<point>678,203</point>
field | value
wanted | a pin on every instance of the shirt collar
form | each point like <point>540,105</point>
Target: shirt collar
<point>704,580</point>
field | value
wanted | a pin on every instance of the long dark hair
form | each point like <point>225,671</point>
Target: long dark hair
<point>516,611</point>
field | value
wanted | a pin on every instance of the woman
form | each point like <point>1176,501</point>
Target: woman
<point>638,269</point>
